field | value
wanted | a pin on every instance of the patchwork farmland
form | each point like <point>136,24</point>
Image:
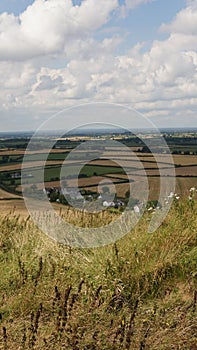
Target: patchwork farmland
<point>120,170</point>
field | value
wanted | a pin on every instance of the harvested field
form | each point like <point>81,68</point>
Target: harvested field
<point>185,159</point>
<point>13,207</point>
<point>183,185</point>
<point>182,171</point>
<point>36,164</point>
<point>118,176</point>
<point>120,190</point>
<point>188,170</point>
<point>188,167</point>
<point>82,182</point>
<point>89,181</point>
<point>16,152</point>
<point>127,163</point>
<point>4,194</point>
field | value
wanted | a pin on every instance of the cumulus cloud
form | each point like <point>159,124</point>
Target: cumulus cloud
<point>185,22</point>
<point>160,81</point>
<point>46,27</point>
<point>47,83</point>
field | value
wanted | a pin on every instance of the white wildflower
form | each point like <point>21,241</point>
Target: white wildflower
<point>192,189</point>
<point>136,209</point>
<point>151,208</point>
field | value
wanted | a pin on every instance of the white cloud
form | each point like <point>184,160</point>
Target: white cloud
<point>46,27</point>
<point>160,81</point>
<point>47,83</point>
<point>185,22</point>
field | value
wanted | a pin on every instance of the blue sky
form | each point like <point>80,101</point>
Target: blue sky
<point>14,6</point>
<point>58,53</point>
<point>142,24</point>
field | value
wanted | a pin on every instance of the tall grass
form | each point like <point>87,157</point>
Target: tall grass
<point>139,293</point>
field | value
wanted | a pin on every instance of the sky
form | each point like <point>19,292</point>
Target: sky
<point>56,54</point>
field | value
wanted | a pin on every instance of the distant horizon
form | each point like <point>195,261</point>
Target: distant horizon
<point>89,131</point>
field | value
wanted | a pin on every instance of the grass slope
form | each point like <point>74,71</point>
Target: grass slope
<point>139,293</point>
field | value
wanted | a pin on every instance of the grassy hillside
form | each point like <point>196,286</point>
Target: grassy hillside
<point>139,293</point>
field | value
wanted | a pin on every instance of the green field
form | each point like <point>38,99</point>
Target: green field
<point>53,172</point>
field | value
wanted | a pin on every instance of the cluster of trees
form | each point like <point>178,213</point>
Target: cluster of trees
<point>8,159</point>
<point>185,152</point>
<point>54,196</point>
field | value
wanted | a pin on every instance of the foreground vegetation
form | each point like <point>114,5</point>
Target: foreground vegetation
<point>139,293</point>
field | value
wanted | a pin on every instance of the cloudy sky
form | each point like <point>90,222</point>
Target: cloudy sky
<point>60,53</point>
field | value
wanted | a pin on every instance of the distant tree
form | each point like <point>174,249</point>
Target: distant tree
<point>145,149</point>
<point>63,200</point>
<point>5,159</point>
<point>127,194</point>
<point>53,197</point>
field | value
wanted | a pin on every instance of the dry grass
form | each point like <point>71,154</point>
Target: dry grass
<point>139,293</point>
<point>13,207</point>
